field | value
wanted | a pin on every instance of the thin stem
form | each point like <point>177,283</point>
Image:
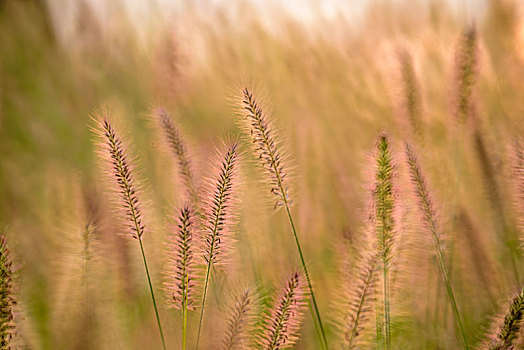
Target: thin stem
<point>184,323</point>
<point>152,293</point>
<point>208,269</point>
<point>440,256</point>
<point>274,166</point>
<point>324,340</point>
<point>387,329</point>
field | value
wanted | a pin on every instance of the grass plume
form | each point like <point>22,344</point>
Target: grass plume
<point>412,103</point>
<point>511,326</point>
<point>7,300</point>
<point>430,222</point>
<point>217,219</point>
<point>360,298</point>
<point>281,330</point>
<point>239,322</point>
<point>178,146</point>
<point>266,148</point>
<point>112,149</point>
<point>180,276</point>
<point>466,65</point>
<point>384,223</point>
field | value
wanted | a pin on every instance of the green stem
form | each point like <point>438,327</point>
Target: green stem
<point>322,333</point>
<point>208,269</point>
<point>449,290</point>
<point>387,330</point>
<point>152,293</point>
<point>184,323</point>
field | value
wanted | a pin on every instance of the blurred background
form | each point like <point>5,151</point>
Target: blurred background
<point>332,74</point>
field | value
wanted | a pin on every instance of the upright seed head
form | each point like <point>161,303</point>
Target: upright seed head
<point>7,301</point>
<point>412,104</point>
<point>265,146</point>
<point>220,209</point>
<point>361,301</point>
<point>425,202</point>
<point>239,322</point>
<point>120,171</point>
<point>281,329</point>
<point>178,147</point>
<point>383,199</point>
<point>466,65</point>
<point>180,270</point>
<point>511,326</point>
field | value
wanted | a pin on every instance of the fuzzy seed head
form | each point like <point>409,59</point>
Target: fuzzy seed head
<point>383,200</point>
<point>421,191</point>
<point>120,171</point>
<point>239,322</point>
<point>511,326</point>
<point>466,65</point>
<point>266,147</point>
<point>281,329</point>
<point>220,209</point>
<point>178,147</point>
<point>361,301</point>
<point>180,270</point>
<point>411,94</point>
<point>7,301</point>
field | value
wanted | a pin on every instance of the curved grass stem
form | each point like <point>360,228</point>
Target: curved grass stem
<point>152,293</point>
<point>314,311</point>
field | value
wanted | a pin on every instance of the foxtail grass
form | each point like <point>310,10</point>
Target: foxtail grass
<point>178,146</point>
<point>239,322</point>
<point>111,148</point>
<point>7,300</point>
<point>266,147</point>
<point>360,300</point>
<point>411,94</point>
<point>281,329</point>
<point>466,75</point>
<point>430,222</point>
<point>218,217</point>
<point>180,275</point>
<point>504,229</point>
<point>384,224</point>
<point>511,327</point>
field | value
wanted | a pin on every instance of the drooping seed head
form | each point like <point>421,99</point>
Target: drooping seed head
<point>266,146</point>
<point>112,150</point>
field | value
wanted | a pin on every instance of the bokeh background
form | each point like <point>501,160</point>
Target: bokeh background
<point>331,76</point>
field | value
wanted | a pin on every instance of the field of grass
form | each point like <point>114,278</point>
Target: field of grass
<point>221,177</point>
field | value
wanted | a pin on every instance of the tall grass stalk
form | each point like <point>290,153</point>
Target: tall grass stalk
<point>266,147</point>
<point>217,219</point>
<point>384,205</point>
<point>426,207</point>
<point>179,272</point>
<point>112,149</point>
